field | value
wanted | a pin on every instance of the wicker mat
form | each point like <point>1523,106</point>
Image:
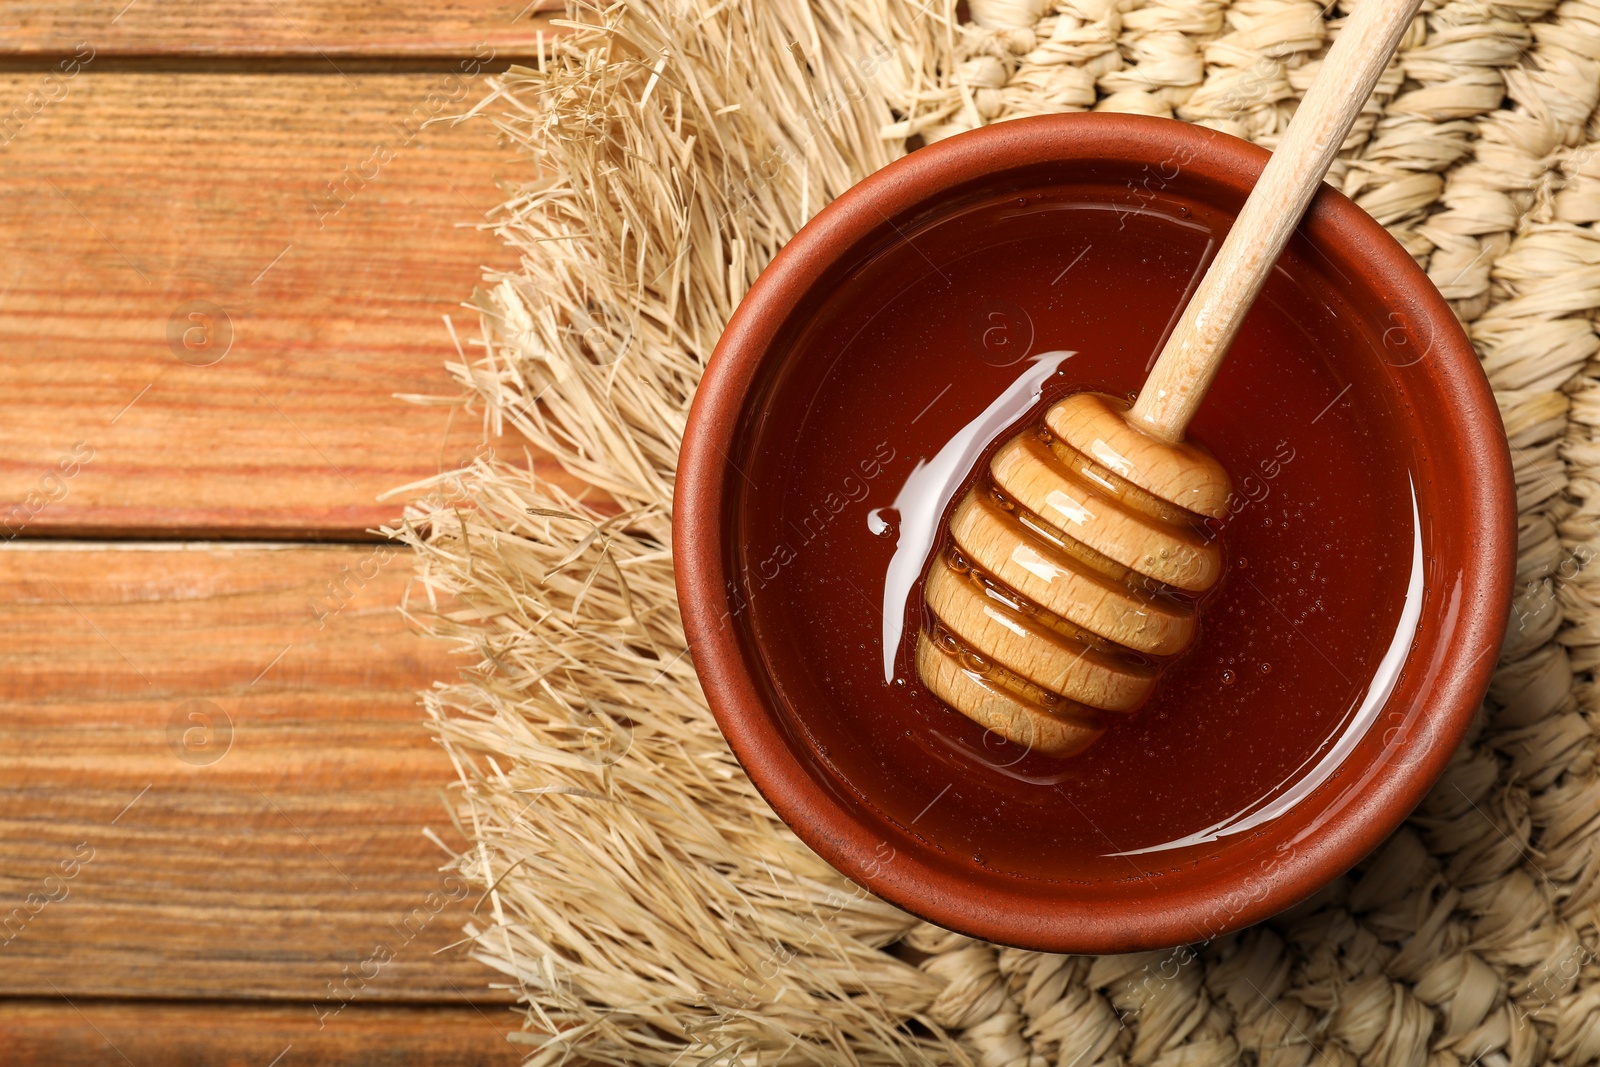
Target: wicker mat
<point>638,895</point>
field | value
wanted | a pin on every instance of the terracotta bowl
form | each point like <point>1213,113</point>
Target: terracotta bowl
<point>1443,426</point>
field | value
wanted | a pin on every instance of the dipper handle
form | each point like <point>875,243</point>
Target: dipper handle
<point>1199,342</point>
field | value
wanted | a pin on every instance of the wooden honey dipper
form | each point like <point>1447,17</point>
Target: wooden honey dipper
<point>1073,565</point>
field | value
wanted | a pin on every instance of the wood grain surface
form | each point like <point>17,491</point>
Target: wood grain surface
<point>85,1033</point>
<point>214,779</point>
<point>230,241</point>
<point>218,283</point>
<point>331,29</point>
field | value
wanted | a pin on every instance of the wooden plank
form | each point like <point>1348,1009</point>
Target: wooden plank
<point>334,29</point>
<point>214,778</point>
<point>202,288</point>
<point>97,1033</point>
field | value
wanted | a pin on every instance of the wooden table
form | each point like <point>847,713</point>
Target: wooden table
<point>228,243</point>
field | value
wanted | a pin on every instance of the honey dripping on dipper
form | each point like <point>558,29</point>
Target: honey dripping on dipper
<point>1073,566</point>
<point>1065,581</point>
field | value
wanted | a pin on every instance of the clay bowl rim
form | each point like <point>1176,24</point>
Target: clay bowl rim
<point>1028,917</point>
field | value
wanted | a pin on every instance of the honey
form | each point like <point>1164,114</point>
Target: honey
<point>966,321</point>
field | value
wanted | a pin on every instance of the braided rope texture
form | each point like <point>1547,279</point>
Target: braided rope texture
<point>643,901</point>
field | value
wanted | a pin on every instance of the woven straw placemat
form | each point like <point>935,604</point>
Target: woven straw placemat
<point>638,894</point>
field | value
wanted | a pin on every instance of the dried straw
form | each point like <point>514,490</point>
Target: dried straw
<point>638,895</point>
